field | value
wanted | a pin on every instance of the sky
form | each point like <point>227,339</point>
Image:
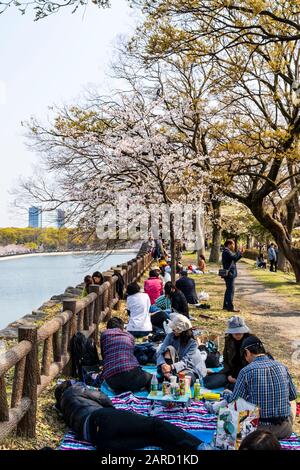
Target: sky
<point>43,63</point>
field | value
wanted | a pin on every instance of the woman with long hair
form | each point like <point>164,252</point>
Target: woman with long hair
<point>178,301</point>
<point>233,362</point>
<point>138,305</point>
<point>179,352</point>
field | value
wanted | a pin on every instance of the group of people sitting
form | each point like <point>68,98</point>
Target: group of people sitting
<point>149,310</point>
<point>96,279</point>
<point>249,372</point>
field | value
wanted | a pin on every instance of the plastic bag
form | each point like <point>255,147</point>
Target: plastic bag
<point>235,421</point>
<point>203,296</point>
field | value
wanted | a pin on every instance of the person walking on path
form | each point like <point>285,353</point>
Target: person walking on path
<point>272,257</point>
<point>229,260</point>
<point>267,384</point>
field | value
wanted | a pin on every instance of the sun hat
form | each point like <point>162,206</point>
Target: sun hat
<point>237,325</point>
<point>180,323</point>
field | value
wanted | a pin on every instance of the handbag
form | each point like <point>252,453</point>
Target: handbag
<point>225,272</point>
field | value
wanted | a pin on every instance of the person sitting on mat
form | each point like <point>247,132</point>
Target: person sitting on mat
<point>261,439</point>
<point>179,352</point>
<point>138,305</point>
<point>153,286</point>
<point>121,370</point>
<point>178,300</point>
<point>88,281</point>
<point>92,416</point>
<point>98,278</point>
<point>161,310</point>
<point>267,384</point>
<point>164,275</point>
<point>233,362</point>
<point>188,287</point>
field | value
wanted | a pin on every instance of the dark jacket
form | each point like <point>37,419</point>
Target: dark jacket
<point>229,261</point>
<point>179,303</point>
<point>231,365</point>
<point>78,402</point>
<point>188,287</point>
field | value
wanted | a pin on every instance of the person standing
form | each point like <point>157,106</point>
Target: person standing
<point>272,257</point>
<point>229,260</point>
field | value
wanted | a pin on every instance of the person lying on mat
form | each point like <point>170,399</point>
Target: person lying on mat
<point>121,370</point>
<point>267,384</point>
<point>179,352</point>
<point>92,416</point>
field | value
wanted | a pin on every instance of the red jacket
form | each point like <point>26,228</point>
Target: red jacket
<point>154,288</point>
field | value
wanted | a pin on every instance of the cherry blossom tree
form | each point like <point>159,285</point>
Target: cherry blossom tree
<point>44,8</point>
<point>110,148</point>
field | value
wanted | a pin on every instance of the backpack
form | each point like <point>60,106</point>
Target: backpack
<point>83,353</point>
<point>145,353</point>
<point>213,355</point>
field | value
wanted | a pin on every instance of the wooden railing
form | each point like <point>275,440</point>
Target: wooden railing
<point>43,353</point>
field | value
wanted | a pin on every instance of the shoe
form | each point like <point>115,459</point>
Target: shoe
<point>234,310</point>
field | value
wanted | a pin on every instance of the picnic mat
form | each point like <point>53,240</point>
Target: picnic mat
<point>197,421</point>
<point>152,369</point>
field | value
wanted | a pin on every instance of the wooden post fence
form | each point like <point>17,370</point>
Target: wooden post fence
<point>43,353</point>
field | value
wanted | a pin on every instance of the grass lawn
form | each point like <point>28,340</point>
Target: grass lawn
<point>50,428</point>
<point>283,283</point>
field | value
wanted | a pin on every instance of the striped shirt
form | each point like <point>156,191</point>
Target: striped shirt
<point>163,302</point>
<point>267,384</point>
<point>117,349</point>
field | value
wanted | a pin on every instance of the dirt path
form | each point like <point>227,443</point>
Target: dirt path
<point>272,310</point>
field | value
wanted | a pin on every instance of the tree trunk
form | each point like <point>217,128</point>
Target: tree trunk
<point>199,253</point>
<point>290,253</point>
<point>281,236</point>
<point>217,232</point>
<point>172,249</point>
<point>281,261</point>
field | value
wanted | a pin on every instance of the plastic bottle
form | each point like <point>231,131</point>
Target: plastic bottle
<point>165,388</point>
<point>197,387</point>
<point>173,380</point>
<point>154,385</point>
<point>181,376</point>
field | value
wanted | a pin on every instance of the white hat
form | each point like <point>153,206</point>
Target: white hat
<point>180,323</point>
